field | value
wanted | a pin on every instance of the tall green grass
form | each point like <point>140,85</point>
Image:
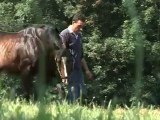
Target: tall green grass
<point>22,110</point>
<point>138,38</point>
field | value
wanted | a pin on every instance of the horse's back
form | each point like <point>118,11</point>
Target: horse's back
<point>15,48</point>
<point>9,35</point>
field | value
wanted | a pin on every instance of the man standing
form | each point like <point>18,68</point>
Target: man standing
<point>72,38</point>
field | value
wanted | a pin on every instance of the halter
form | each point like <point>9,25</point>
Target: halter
<point>58,67</point>
<point>64,79</point>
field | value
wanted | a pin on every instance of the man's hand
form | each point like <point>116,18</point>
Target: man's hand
<point>89,75</point>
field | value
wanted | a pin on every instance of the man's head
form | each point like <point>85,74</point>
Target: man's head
<point>78,22</point>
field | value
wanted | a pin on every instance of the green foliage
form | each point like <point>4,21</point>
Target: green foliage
<point>10,86</point>
<point>6,14</point>
<point>114,60</point>
<point>28,11</point>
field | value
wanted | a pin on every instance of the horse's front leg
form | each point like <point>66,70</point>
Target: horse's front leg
<point>27,82</point>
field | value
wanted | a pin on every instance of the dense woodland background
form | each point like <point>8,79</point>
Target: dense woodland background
<point>121,43</point>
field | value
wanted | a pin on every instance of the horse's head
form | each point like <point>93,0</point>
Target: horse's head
<point>50,35</point>
<point>63,58</point>
<point>65,64</point>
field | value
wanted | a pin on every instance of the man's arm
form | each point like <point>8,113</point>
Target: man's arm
<point>84,65</point>
<point>86,69</point>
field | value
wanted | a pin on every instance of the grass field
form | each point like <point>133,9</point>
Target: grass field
<point>22,110</point>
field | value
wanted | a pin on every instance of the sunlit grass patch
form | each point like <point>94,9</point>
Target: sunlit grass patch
<point>22,110</point>
<point>17,109</point>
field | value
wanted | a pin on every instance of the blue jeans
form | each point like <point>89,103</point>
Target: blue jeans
<point>76,85</point>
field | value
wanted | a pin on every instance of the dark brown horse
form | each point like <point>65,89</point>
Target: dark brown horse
<point>21,52</point>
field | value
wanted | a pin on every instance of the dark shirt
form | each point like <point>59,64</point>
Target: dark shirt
<point>74,42</point>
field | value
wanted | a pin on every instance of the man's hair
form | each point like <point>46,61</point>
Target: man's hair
<point>77,17</point>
